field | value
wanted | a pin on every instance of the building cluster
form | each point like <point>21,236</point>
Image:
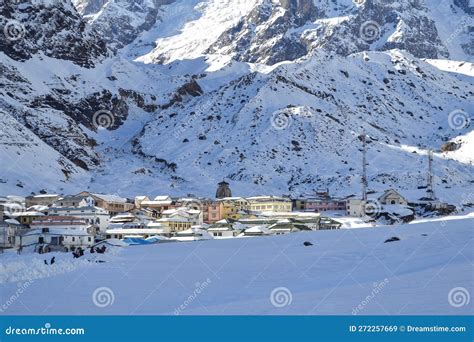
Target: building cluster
<point>51,222</point>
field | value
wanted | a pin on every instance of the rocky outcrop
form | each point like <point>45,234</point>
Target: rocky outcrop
<point>120,21</point>
<point>292,29</point>
<point>53,28</point>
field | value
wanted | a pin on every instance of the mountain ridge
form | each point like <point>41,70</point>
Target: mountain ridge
<point>127,104</point>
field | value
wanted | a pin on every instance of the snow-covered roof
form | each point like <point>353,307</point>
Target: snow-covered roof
<point>138,231</point>
<point>231,199</point>
<point>111,198</point>
<point>13,221</point>
<point>258,229</point>
<point>46,196</point>
<point>26,213</point>
<point>154,225</point>
<point>182,211</point>
<point>58,231</point>
<point>38,208</point>
<point>268,198</point>
<point>156,203</point>
<point>162,198</point>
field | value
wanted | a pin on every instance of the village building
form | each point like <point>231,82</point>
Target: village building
<point>139,200</point>
<point>270,204</point>
<point>74,201</point>
<point>181,219</point>
<point>256,231</point>
<point>55,239</point>
<point>356,207</point>
<point>94,216</point>
<point>141,233</point>
<point>234,207</point>
<point>287,226</point>
<point>126,221</point>
<point>215,212</point>
<point>159,204</point>
<point>42,200</point>
<point>26,217</point>
<point>192,234</point>
<point>391,197</point>
<point>8,208</point>
<point>224,229</point>
<point>327,223</point>
<point>319,205</point>
<point>61,222</point>
<point>8,230</point>
<point>112,203</point>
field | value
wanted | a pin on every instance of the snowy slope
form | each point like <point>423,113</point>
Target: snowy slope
<point>183,125</point>
<point>288,120</point>
<point>267,275</point>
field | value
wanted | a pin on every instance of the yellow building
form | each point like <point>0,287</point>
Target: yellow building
<point>181,219</point>
<point>175,224</point>
<point>234,207</point>
<point>270,204</point>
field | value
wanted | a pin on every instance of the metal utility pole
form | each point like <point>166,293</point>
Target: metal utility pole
<point>430,187</point>
<point>364,167</point>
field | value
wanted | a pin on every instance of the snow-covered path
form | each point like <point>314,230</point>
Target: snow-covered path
<point>345,272</point>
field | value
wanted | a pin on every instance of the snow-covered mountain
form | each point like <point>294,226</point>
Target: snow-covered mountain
<point>120,21</point>
<point>158,96</point>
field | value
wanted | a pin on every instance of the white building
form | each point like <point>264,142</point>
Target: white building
<point>92,215</point>
<point>256,231</point>
<point>55,239</point>
<point>224,229</point>
<point>192,234</point>
<point>391,197</point>
<point>270,204</point>
<point>356,207</point>
<point>181,218</point>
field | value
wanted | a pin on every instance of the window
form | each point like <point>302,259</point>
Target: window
<point>73,239</point>
<point>393,202</point>
<point>89,239</point>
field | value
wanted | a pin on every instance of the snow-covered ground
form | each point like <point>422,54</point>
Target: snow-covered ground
<point>351,271</point>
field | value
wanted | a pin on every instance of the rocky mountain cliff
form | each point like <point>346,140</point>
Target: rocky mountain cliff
<point>291,29</point>
<point>120,21</point>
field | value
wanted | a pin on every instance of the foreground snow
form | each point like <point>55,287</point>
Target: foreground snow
<point>342,271</point>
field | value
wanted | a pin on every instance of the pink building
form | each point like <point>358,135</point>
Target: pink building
<point>324,204</point>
